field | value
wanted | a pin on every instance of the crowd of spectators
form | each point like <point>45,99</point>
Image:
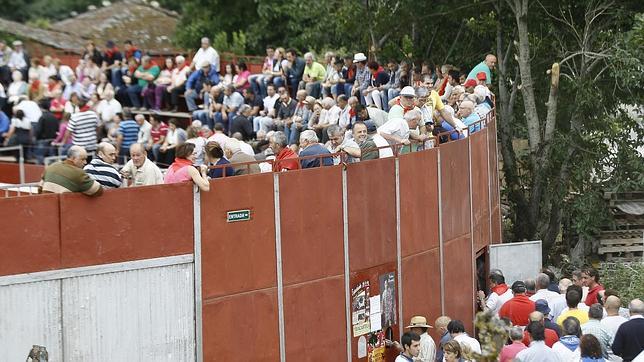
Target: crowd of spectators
<point>296,106</point>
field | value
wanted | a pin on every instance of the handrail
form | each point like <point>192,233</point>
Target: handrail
<point>21,159</point>
<point>19,188</point>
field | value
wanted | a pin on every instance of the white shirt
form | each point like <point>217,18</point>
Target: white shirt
<point>474,345</point>
<point>179,76</point>
<point>246,148</point>
<point>330,116</point>
<point>378,116</point>
<point>147,174</point>
<point>344,119</point>
<point>427,349</point>
<point>269,103</point>
<point>612,323</point>
<point>381,142</point>
<point>108,109</point>
<point>45,72</point>
<point>65,74</point>
<point>17,60</point>
<point>565,354</point>
<point>210,54</point>
<point>144,133</point>
<point>31,110</point>
<point>546,294</point>
<point>396,127</point>
<point>495,302</point>
<point>21,123</point>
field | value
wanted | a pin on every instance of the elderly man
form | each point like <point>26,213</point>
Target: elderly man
<point>485,66</point>
<point>339,143</point>
<point>384,150</point>
<point>310,146</point>
<point>145,74</point>
<point>397,130</point>
<point>101,169</point>
<point>235,155</point>
<point>145,128</point>
<point>629,340</point>
<point>468,117</point>
<point>229,107</point>
<point>140,169</point>
<point>594,327</point>
<point>68,175</point>
<point>206,54</point>
<point>195,83</point>
<point>313,75</point>
<point>368,148</point>
<point>18,59</point>
<point>419,326</point>
<point>285,158</point>
<point>441,324</point>
<point>108,107</point>
<point>363,76</point>
<point>542,281</point>
<point>551,336</point>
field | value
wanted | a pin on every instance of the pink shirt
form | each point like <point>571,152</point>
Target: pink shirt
<point>510,351</point>
<point>244,76</point>
<point>181,175</point>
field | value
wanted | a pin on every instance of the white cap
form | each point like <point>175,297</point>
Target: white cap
<point>359,57</point>
<point>408,91</point>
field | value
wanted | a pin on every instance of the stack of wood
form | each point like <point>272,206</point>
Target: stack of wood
<point>624,240</point>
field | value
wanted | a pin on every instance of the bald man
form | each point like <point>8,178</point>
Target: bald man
<point>613,320</point>
<point>101,169</point>
<point>140,169</point>
<point>485,66</point>
<point>68,175</point>
<point>629,339</point>
<point>551,335</point>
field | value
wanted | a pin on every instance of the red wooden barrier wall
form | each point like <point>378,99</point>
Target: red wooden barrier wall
<point>10,173</point>
<point>239,261</point>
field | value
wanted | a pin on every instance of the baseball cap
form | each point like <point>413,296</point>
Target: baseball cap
<point>470,83</point>
<point>408,92</point>
<point>481,76</point>
<point>541,305</point>
<point>519,287</point>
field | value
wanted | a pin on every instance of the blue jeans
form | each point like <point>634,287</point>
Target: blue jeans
<point>294,83</point>
<point>292,133</point>
<point>115,77</point>
<point>134,93</point>
<point>43,149</point>
<point>191,99</point>
<point>202,115</point>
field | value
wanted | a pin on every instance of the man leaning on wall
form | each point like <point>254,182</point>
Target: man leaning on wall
<point>68,175</point>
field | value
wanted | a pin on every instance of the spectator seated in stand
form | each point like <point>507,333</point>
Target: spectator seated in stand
<point>183,168</point>
<point>194,84</point>
<point>215,157</point>
<point>310,146</point>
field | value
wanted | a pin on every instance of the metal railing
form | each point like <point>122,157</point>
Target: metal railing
<point>21,189</point>
<point>21,159</point>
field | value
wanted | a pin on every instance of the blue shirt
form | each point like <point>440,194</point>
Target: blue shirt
<point>470,121</point>
<point>454,135</point>
<point>196,79</point>
<point>481,67</point>
<point>5,122</point>
<point>129,129</point>
<point>313,150</point>
<point>219,172</point>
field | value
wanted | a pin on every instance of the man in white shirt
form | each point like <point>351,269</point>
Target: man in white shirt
<point>427,352</point>
<point>339,143</point>
<point>144,129</point>
<point>31,110</point>
<point>411,347</point>
<point>457,330</point>
<point>397,130</point>
<point>18,59</point>
<point>613,320</point>
<point>206,52</point>
<point>372,131</point>
<point>140,169</point>
<point>265,119</point>
<point>108,107</point>
<point>542,281</point>
<point>500,293</point>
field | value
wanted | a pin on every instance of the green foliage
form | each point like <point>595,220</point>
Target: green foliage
<point>40,23</point>
<point>237,45</point>
<point>627,279</point>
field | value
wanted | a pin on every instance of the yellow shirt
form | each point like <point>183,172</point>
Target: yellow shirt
<point>582,315</point>
<point>316,71</point>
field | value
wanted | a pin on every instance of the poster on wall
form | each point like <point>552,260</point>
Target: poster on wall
<point>388,299</point>
<point>360,309</point>
<point>376,346</point>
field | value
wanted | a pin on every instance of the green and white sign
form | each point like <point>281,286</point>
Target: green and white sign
<point>238,215</point>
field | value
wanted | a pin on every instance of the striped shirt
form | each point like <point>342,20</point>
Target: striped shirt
<point>82,126</point>
<point>129,129</point>
<point>104,173</point>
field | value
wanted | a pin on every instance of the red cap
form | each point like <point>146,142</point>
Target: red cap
<point>481,76</point>
<point>469,83</point>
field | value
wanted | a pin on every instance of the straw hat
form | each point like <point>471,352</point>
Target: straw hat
<point>418,322</point>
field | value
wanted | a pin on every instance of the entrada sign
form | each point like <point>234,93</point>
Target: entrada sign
<point>238,215</point>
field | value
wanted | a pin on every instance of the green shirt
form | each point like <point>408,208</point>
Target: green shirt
<point>316,71</point>
<point>63,176</point>
<point>154,70</point>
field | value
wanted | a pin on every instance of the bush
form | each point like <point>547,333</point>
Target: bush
<point>626,278</point>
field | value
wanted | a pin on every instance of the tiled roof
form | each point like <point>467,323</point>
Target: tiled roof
<point>149,27</point>
<point>54,39</point>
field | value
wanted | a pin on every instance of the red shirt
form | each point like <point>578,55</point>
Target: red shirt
<point>551,337</point>
<point>286,160</point>
<point>591,298</point>
<point>157,133</point>
<point>518,310</point>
